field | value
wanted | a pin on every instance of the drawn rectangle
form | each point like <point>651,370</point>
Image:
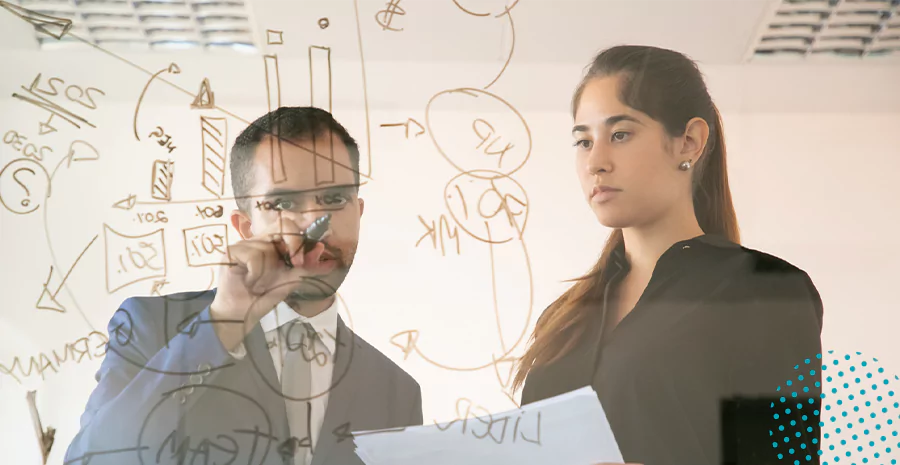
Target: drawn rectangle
<point>320,96</point>
<point>130,259</point>
<point>273,96</point>
<point>206,245</point>
<point>214,136</point>
<point>274,37</point>
<point>320,77</point>
<point>273,81</point>
<point>161,182</point>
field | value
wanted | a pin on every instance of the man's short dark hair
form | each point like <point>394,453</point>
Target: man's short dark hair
<point>291,125</point>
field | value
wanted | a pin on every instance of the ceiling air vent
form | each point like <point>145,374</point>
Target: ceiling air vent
<point>830,29</point>
<point>150,24</point>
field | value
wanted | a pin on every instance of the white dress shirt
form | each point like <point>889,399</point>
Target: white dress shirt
<point>321,367</point>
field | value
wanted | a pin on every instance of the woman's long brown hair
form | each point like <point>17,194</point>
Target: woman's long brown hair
<point>668,87</point>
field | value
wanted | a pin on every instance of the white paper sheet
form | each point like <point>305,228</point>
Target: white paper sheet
<point>569,429</point>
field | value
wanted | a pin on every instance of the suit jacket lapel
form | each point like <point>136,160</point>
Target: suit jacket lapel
<point>349,364</point>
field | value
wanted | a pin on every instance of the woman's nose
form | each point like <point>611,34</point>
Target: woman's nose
<point>597,160</point>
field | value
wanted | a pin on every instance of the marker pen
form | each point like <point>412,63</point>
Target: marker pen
<point>311,236</point>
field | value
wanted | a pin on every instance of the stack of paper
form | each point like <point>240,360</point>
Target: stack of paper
<point>570,429</point>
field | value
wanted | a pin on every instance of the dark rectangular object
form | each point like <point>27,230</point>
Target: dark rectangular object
<point>746,427</point>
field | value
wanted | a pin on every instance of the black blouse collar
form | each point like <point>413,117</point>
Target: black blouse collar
<point>618,261</point>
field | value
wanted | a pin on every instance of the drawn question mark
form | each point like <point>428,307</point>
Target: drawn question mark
<point>35,185</point>
<point>25,202</point>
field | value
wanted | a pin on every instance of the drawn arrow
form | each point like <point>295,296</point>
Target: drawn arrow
<point>50,25</point>
<point>421,129</point>
<point>126,203</point>
<point>411,337</point>
<point>47,300</point>
<point>157,286</point>
<point>342,432</point>
<point>288,449</point>
<point>172,69</point>
<point>45,128</point>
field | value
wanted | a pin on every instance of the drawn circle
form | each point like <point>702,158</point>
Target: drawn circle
<point>339,346</point>
<point>344,305</point>
<point>468,7</point>
<point>324,23</point>
<point>235,400</point>
<point>24,185</point>
<point>489,206</point>
<point>498,140</point>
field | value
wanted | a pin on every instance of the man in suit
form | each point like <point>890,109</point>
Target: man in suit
<point>262,369</point>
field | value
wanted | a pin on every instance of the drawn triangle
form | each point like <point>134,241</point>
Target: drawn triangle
<point>46,128</point>
<point>126,204</point>
<point>205,99</point>
<point>48,302</point>
<point>288,448</point>
<point>419,132</point>
<point>342,432</point>
<point>50,25</point>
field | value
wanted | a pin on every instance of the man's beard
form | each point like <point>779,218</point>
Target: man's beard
<point>315,288</point>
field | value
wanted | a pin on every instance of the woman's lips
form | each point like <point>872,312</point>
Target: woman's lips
<point>601,194</point>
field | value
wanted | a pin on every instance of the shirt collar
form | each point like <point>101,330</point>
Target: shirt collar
<point>324,323</point>
<point>618,260</point>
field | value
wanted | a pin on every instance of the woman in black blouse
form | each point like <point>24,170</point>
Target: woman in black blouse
<point>685,335</point>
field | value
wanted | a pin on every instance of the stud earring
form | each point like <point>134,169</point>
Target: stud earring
<point>685,165</point>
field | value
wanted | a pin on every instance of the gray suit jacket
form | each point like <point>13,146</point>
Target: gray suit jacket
<point>168,392</point>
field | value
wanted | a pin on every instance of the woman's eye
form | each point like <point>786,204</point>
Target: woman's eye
<point>583,143</point>
<point>619,136</point>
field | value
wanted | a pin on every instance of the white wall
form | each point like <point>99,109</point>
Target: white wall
<point>816,188</point>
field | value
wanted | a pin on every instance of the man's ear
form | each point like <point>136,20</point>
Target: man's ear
<point>362,207</point>
<point>242,223</point>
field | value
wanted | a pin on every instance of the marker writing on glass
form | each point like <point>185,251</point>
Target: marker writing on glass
<point>311,236</point>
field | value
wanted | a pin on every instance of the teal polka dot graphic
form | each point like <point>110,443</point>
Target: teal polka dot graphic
<point>795,416</point>
<point>863,421</point>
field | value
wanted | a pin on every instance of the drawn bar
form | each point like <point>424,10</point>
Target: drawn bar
<point>320,96</point>
<point>161,188</point>
<point>273,94</point>
<point>320,77</point>
<point>214,135</point>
